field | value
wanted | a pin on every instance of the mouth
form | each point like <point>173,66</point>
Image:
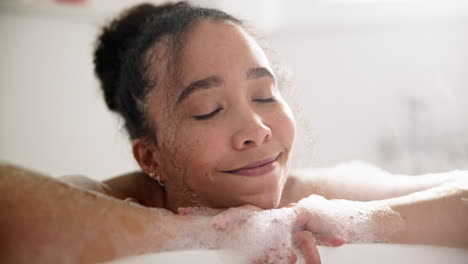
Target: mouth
<point>257,168</point>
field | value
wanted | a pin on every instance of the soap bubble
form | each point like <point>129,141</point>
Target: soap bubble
<point>265,236</point>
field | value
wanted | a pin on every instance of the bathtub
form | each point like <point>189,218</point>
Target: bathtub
<point>357,253</point>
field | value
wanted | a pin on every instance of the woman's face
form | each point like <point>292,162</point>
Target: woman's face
<point>224,132</point>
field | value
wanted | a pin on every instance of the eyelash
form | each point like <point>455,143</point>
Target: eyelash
<point>267,100</point>
<point>215,112</point>
<point>208,116</point>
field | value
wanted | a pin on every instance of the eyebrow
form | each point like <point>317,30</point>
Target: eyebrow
<point>258,72</point>
<point>206,83</point>
<point>216,81</point>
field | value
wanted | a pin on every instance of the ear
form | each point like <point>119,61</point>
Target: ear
<point>144,154</point>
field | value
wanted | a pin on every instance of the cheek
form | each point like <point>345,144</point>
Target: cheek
<point>283,126</point>
<point>200,149</point>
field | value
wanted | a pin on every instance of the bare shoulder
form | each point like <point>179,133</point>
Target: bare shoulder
<point>298,187</point>
<point>342,181</point>
<point>134,187</point>
<point>139,187</point>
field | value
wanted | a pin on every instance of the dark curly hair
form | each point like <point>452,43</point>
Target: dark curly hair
<point>121,60</point>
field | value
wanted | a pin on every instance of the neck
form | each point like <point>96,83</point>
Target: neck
<point>175,199</point>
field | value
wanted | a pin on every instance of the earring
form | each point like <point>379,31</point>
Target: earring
<point>159,181</point>
<point>151,174</point>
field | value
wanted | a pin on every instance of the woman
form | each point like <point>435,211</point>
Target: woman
<point>210,131</point>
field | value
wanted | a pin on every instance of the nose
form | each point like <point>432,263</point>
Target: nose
<point>252,132</point>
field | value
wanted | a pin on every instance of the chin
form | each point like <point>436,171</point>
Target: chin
<point>268,205</point>
<point>265,201</point>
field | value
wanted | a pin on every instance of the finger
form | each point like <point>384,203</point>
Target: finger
<point>329,240</point>
<point>305,241</point>
<point>292,257</point>
<point>308,220</point>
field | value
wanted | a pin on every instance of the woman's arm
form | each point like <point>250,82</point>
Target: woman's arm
<point>47,221</point>
<point>437,216</point>
<point>134,186</point>
<point>359,181</point>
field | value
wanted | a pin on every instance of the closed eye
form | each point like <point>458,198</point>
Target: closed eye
<point>266,100</point>
<point>208,116</point>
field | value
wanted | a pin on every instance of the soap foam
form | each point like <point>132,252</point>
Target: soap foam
<point>257,235</point>
<point>266,236</point>
<point>354,221</point>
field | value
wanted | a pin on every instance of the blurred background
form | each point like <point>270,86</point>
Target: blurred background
<point>385,81</point>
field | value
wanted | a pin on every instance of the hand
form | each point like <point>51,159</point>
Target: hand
<point>304,219</point>
<point>333,222</point>
<point>313,219</point>
<point>325,234</point>
<point>279,240</point>
<point>238,220</point>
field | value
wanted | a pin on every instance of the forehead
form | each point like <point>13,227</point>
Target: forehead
<point>219,48</point>
<point>207,49</point>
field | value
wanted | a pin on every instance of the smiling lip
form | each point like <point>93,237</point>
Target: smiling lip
<point>257,168</point>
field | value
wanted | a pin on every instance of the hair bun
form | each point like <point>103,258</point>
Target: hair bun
<point>114,41</point>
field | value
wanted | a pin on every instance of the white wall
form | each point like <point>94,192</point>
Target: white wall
<point>395,94</point>
<point>388,85</point>
<point>53,117</point>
